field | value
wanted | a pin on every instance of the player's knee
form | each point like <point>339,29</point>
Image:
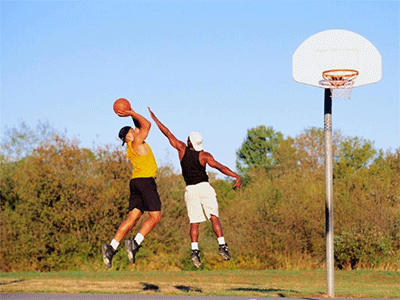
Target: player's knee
<point>156,218</point>
<point>214,218</point>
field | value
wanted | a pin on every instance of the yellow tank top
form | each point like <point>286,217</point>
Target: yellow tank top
<point>144,166</point>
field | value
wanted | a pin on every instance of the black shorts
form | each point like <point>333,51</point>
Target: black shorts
<point>144,195</point>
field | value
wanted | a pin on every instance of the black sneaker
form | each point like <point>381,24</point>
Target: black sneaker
<point>223,251</point>
<point>196,258</point>
<point>132,248</point>
<point>108,254</point>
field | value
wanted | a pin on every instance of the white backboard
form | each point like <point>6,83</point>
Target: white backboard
<point>336,49</point>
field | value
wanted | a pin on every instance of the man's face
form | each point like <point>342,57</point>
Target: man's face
<point>130,136</point>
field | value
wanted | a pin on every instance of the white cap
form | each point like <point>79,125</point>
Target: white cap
<point>197,140</point>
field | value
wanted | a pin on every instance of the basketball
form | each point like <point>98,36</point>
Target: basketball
<point>121,104</point>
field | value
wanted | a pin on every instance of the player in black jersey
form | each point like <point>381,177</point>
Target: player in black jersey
<point>199,194</point>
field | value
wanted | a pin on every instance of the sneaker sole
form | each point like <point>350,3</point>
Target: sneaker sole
<point>105,259</point>
<point>225,256</point>
<point>196,263</point>
<point>128,246</point>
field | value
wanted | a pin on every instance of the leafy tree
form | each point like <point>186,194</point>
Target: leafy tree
<point>20,141</point>
<point>353,154</point>
<point>310,144</point>
<point>288,156</point>
<point>60,202</point>
<point>258,149</point>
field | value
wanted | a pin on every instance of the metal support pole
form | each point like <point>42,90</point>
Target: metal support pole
<point>329,192</point>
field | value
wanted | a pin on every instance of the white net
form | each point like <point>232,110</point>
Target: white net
<point>340,82</point>
<point>341,94</point>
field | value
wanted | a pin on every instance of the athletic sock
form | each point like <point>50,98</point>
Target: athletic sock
<point>139,238</point>
<point>114,244</point>
<point>221,240</point>
<point>195,246</point>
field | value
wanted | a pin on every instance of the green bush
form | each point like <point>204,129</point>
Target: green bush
<point>60,202</point>
<point>367,249</point>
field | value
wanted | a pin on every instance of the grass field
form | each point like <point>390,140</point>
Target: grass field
<point>270,283</point>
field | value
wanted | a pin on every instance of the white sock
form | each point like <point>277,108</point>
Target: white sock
<point>195,246</point>
<point>139,238</point>
<point>114,244</point>
<point>221,240</point>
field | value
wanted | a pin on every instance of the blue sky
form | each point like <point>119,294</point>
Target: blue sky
<point>220,68</point>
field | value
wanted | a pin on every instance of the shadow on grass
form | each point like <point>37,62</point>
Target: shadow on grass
<point>13,281</point>
<point>186,288</point>
<point>280,292</point>
<point>156,288</point>
<point>150,287</point>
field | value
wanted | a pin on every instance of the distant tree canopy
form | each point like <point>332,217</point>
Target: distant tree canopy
<point>258,149</point>
<point>267,149</point>
<point>20,141</point>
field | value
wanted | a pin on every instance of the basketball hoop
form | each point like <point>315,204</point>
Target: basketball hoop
<point>340,82</point>
<point>345,60</point>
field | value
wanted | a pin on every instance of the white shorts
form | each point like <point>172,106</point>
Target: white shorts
<point>198,197</point>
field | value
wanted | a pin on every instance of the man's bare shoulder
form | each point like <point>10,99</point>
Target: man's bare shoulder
<point>206,158</point>
<point>205,154</point>
<point>181,145</point>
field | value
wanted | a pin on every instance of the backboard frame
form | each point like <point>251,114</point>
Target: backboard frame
<point>336,49</point>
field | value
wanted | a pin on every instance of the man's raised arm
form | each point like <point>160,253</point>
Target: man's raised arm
<point>177,144</point>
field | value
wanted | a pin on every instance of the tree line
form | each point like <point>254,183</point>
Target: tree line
<point>59,202</point>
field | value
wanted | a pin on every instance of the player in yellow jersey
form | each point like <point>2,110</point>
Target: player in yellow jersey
<point>143,188</point>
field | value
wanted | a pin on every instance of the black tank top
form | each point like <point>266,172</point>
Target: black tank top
<point>192,170</point>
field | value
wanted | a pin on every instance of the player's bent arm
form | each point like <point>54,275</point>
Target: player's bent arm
<point>143,125</point>
<point>223,169</point>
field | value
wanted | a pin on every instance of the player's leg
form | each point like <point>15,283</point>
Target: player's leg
<point>196,216</point>
<point>194,237</point>
<point>151,203</point>
<point>150,223</point>
<point>194,232</point>
<point>210,205</point>
<point>216,226</point>
<point>223,246</point>
<point>133,246</point>
<point>133,217</point>
<point>110,250</point>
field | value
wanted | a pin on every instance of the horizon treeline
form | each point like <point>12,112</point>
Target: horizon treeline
<point>59,202</point>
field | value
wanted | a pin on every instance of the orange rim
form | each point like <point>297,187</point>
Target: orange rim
<point>340,78</point>
<point>340,74</point>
